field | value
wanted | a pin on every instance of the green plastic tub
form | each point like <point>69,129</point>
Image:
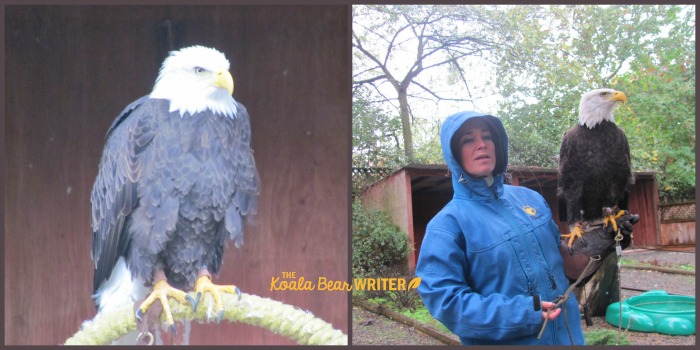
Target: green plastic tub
<point>655,311</point>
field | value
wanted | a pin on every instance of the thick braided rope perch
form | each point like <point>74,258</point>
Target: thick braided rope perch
<point>283,319</point>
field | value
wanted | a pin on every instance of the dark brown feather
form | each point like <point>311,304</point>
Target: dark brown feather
<point>594,171</point>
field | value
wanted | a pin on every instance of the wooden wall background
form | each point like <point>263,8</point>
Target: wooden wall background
<point>71,69</point>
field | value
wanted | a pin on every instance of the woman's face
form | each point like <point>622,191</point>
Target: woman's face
<point>477,150</point>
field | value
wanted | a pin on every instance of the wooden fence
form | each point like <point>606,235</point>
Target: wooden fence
<point>677,224</point>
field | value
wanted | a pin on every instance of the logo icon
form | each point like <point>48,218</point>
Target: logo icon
<point>530,210</point>
<point>414,283</point>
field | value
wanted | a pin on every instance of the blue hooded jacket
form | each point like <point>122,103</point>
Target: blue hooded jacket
<point>489,252</point>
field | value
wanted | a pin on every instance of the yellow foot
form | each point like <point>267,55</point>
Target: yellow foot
<point>204,284</point>
<point>161,291</point>
<point>575,233</point>
<point>610,219</point>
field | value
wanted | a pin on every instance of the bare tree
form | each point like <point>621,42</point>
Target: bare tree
<point>395,44</point>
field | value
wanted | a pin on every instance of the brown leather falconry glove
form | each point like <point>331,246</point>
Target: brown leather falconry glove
<point>597,241</point>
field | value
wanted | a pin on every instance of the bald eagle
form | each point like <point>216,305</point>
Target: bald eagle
<point>176,181</point>
<point>595,170</point>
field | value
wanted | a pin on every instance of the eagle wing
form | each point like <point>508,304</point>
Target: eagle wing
<point>114,194</point>
<point>564,178</point>
<point>625,146</point>
<point>243,205</point>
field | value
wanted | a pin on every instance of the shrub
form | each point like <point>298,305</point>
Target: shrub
<point>404,299</point>
<point>376,242</point>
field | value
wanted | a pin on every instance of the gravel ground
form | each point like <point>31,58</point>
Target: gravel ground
<point>648,279</point>
<point>373,329</point>
<point>369,328</point>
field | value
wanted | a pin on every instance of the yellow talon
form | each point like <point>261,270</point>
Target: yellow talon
<point>575,233</point>
<point>204,284</point>
<point>611,219</point>
<point>161,291</point>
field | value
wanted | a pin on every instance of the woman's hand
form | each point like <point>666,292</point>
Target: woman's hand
<point>547,305</point>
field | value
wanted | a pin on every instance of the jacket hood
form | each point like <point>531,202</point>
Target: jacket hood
<point>462,182</point>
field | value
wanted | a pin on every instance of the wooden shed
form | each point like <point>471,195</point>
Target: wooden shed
<point>70,70</point>
<point>413,194</point>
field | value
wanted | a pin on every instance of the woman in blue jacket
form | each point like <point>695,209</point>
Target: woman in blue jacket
<point>490,262</point>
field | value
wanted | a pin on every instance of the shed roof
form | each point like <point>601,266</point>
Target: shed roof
<point>434,178</point>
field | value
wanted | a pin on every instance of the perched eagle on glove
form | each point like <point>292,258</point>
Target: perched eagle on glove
<point>177,179</point>
<point>595,171</point>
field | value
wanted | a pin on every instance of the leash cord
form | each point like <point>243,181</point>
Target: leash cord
<point>562,298</point>
<point>618,252</point>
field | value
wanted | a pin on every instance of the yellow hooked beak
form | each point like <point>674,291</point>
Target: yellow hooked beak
<point>619,96</point>
<point>225,80</point>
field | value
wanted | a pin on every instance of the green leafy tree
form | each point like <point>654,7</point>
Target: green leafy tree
<point>555,54</point>
<point>427,148</point>
<point>660,114</point>
<point>376,139</point>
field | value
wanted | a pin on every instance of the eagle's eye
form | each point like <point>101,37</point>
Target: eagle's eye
<point>603,94</point>
<point>199,70</point>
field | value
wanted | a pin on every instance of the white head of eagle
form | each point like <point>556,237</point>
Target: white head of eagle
<point>195,79</point>
<point>596,106</point>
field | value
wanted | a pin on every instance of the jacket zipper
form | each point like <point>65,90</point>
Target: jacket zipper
<point>515,226</point>
<point>530,288</point>
<point>549,273</point>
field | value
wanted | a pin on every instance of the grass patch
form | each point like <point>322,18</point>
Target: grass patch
<point>605,337</point>
<point>422,315</point>
<point>628,262</point>
<point>685,267</point>
<point>385,301</point>
<point>418,313</point>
